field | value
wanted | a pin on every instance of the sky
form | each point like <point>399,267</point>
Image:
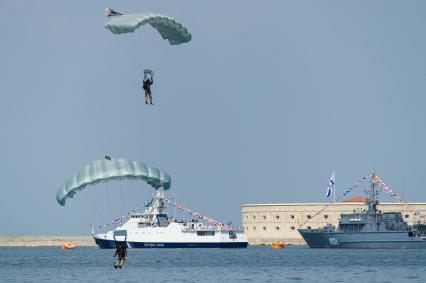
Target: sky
<point>261,106</point>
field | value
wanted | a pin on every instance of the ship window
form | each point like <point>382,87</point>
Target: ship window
<point>254,227</point>
<point>264,216</point>
<point>254,216</point>
<point>326,216</point>
<point>277,216</point>
<point>292,228</point>
<point>407,215</point>
<point>309,227</point>
<point>292,216</point>
<point>264,227</point>
<point>308,216</point>
<point>247,227</point>
<point>247,217</point>
<point>277,227</point>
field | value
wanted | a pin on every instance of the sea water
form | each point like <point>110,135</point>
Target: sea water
<point>254,264</point>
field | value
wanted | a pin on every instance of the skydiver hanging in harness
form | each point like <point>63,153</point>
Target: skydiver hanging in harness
<point>148,80</point>
<point>120,252</point>
<point>110,12</point>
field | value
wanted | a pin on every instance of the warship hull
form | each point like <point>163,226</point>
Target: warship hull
<point>362,240</point>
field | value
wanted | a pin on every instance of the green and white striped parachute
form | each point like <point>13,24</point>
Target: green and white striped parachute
<point>169,29</point>
<point>108,170</point>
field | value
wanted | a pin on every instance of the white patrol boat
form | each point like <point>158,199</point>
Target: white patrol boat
<point>154,229</point>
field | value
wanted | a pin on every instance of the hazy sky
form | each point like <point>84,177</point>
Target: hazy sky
<point>265,101</point>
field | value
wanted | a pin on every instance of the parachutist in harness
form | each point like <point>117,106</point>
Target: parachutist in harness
<point>120,252</point>
<point>148,80</point>
<point>110,12</point>
<point>107,157</point>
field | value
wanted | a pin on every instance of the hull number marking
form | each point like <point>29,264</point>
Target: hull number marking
<point>333,241</point>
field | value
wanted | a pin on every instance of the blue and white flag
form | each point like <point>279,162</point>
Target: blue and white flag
<point>330,187</point>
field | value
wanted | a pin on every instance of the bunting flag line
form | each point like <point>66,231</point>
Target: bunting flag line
<point>394,195</point>
<point>199,215</point>
<point>388,190</point>
<point>350,189</point>
<point>119,221</point>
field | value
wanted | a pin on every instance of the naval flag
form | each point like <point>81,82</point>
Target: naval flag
<point>330,187</point>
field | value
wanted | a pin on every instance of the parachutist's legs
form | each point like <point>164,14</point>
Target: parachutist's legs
<point>150,97</point>
<point>146,97</point>
<point>120,262</point>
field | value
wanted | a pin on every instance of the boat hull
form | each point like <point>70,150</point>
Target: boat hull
<point>110,244</point>
<point>362,240</point>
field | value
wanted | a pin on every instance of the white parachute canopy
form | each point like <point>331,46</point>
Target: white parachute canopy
<point>104,170</point>
<point>169,29</point>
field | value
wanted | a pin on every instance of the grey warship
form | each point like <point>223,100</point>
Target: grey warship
<point>370,229</point>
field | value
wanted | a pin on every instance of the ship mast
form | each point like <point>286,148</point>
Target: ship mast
<point>158,203</point>
<point>372,196</point>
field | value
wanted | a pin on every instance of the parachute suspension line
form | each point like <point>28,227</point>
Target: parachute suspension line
<point>94,204</point>
<point>174,207</point>
<point>77,210</point>
<point>120,192</point>
<point>86,211</point>
<point>106,198</point>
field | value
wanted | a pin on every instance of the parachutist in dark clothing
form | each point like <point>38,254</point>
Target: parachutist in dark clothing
<point>121,254</point>
<point>110,12</point>
<point>107,157</point>
<point>147,82</point>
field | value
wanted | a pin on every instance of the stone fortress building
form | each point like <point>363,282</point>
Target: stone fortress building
<point>265,223</point>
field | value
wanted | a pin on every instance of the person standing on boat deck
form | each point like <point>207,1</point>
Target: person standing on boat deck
<point>121,254</point>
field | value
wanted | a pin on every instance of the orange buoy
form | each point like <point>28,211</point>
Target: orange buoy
<point>278,245</point>
<point>67,246</point>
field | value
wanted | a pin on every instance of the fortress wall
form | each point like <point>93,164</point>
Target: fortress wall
<point>46,241</point>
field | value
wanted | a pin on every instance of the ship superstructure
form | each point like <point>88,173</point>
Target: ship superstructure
<point>154,229</point>
<point>369,228</point>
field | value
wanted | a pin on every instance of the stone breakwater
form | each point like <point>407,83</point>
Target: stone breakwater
<point>46,241</point>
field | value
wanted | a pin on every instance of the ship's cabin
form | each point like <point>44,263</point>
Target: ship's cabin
<point>387,221</point>
<point>150,220</point>
<point>352,222</point>
<point>393,221</point>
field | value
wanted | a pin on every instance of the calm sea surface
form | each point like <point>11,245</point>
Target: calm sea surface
<point>255,264</point>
